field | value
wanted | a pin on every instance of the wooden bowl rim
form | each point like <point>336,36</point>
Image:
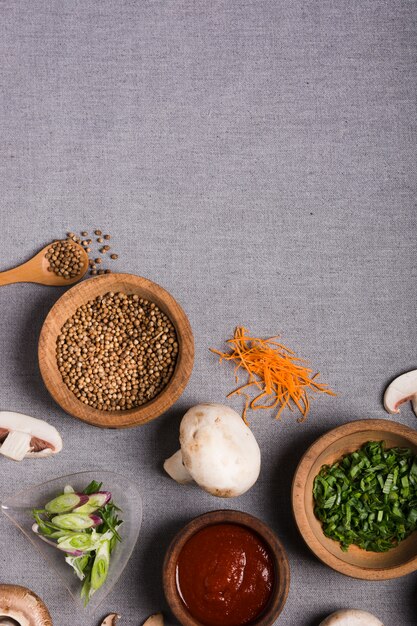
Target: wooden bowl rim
<point>299,512</point>
<point>131,417</point>
<point>282,568</point>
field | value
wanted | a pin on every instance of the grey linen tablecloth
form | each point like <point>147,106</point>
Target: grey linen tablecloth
<point>257,159</point>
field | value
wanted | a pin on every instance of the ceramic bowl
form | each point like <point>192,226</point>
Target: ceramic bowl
<point>282,571</point>
<point>66,306</point>
<point>327,449</point>
<point>126,496</point>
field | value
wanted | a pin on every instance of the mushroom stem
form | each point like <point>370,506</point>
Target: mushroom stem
<point>16,445</point>
<point>175,467</point>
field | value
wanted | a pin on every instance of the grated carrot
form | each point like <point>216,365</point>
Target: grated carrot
<point>274,371</point>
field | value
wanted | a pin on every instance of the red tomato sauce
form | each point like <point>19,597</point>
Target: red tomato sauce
<point>225,575</point>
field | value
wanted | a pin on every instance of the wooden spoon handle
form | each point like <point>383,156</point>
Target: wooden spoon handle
<point>15,275</point>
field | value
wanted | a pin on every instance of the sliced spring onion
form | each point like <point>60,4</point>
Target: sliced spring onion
<point>65,503</point>
<point>100,566</point>
<point>93,502</point>
<point>78,564</point>
<point>76,521</point>
<point>81,541</point>
<point>84,526</point>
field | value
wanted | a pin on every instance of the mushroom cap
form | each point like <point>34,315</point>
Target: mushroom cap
<point>351,617</point>
<point>154,620</point>
<point>24,606</point>
<point>110,620</point>
<point>400,390</point>
<point>219,450</point>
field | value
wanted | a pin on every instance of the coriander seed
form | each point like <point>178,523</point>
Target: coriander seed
<point>117,351</point>
<point>65,259</point>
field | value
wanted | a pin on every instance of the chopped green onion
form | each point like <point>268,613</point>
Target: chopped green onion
<point>369,497</point>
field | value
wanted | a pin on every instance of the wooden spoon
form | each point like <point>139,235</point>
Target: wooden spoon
<point>36,271</point>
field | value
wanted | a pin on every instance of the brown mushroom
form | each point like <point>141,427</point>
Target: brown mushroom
<point>21,607</point>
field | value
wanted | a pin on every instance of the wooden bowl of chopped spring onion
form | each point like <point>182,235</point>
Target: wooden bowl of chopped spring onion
<point>354,498</point>
<point>116,351</point>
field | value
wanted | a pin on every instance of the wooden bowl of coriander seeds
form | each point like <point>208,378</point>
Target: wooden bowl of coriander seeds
<point>116,351</point>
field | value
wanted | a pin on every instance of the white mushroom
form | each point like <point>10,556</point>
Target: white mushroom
<point>351,617</point>
<point>110,620</point>
<point>22,607</point>
<point>22,435</point>
<point>218,451</point>
<point>402,389</point>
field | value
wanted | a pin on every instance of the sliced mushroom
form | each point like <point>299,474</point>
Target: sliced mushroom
<point>24,436</point>
<point>174,466</point>
<point>154,620</point>
<point>351,617</point>
<point>21,606</point>
<point>402,389</point>
<point>110,620</point>
<point>218,451</point>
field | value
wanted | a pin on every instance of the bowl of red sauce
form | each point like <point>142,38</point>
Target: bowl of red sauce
<point>226,568</point>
